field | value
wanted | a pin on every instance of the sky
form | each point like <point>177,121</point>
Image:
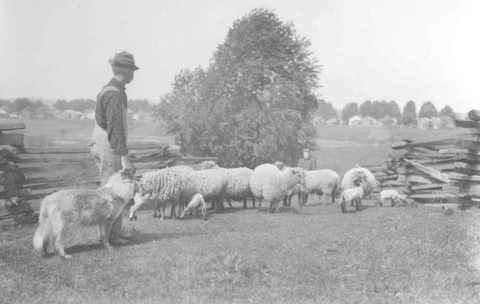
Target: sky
<point>420,50</point>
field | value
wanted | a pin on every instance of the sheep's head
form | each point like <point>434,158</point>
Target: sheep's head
<point>208,165</point>
<point>298,175</point>
<point>280,165</point>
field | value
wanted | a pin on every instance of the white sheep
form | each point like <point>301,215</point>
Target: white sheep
<point>322,182</point>
<point>271,184</point>
<point>353,195</point>
<point>238,183</point>
<point>355,176</point>
<point>170,185</point>
<point>179,184</point>
<point>197,201</point>
<point>140,200</point>
<point>393,195</point>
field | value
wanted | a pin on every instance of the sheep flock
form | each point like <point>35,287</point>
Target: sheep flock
<point>189,189</point>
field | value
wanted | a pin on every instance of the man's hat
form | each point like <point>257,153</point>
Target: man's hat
<point>306,150</point>
<point>125,60</point>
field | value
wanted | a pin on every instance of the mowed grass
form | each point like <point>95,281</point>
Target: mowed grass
<point>314,255</point>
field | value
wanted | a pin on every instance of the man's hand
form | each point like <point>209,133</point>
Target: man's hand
<point>127,164</point>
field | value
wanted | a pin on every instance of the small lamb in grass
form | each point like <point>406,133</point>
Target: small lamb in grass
<point>197,201</point>
<point>353,194</point>
<point>393,195</point>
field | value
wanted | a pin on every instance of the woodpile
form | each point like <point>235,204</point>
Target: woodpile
<point>420,172</point>
<point>11,177</point>
<point>29,174</point>
<point>465,179</point>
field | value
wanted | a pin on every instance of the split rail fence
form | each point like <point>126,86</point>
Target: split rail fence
<point>437,171</point>
<point>29,174</point>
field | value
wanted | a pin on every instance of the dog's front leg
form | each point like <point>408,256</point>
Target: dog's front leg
<point>58,245</point>
<point>107,227</point>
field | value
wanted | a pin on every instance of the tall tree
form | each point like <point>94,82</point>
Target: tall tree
<point>81,104</point>
<point>21,103</point>
<point>61,105</point>
<point>255,101</point>
<point>326,110</point>
<point>394,110</point>
<point>349,111</point>
<point>409,115</point>
<point>380,109</point>
<point>366,108</point>
<point>428,110</point>
<point>447,111</point>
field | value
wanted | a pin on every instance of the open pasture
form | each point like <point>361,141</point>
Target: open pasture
<point>317,254</point>
<point>313,255</point>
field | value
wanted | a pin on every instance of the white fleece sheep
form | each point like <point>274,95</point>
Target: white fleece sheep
<point>238,183</point>
<point>271,184</point>
<point>355,176</point>
<point>393,195</point>
<point>196,202</point>
<point>322,182</point>
<point>171,185</point>
<point>353,195</point>
<point>211,184</point>
<point>178,185</point>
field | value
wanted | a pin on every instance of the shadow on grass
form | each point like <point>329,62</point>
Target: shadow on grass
<point>136,240</point>
<point>354,210</point>
<point>281,209</point>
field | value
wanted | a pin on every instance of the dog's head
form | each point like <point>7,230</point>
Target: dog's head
<point>122,184</point>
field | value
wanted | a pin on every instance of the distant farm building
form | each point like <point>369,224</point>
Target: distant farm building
<point>334,121</point>
<point>69,114</point>
<point>4,114</point>
<point>424,123</point>
<point>318,121</point>
<point>142,116</point>
<point>88,114</point>
<point>368,121</point>
<point>355,121</point>
<point>436,123</point>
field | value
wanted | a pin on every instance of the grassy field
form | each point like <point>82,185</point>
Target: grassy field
<point>314,255</point>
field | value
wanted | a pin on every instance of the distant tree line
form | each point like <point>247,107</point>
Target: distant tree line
<point>381,109</point>
<point>24,104</point>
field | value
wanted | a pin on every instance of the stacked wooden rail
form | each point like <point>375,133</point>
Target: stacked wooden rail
<point>421,172</point>
<point>11,177</point>
<point>27,174</point>
<point>465,180</point>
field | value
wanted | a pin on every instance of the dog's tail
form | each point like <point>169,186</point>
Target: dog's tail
<point>43,234</point>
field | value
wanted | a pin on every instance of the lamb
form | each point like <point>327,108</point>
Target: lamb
<point>353,195</point>
<point>393,195</point>
<point>297,190</point>
<point>355,176</point>
<point>197,201</point>
<point>238,183</point>
<point>271,184</point>
<point>139,200</point>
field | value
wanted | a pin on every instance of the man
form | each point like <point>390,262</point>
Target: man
<point>108,145</point>
<point>308,163</point>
